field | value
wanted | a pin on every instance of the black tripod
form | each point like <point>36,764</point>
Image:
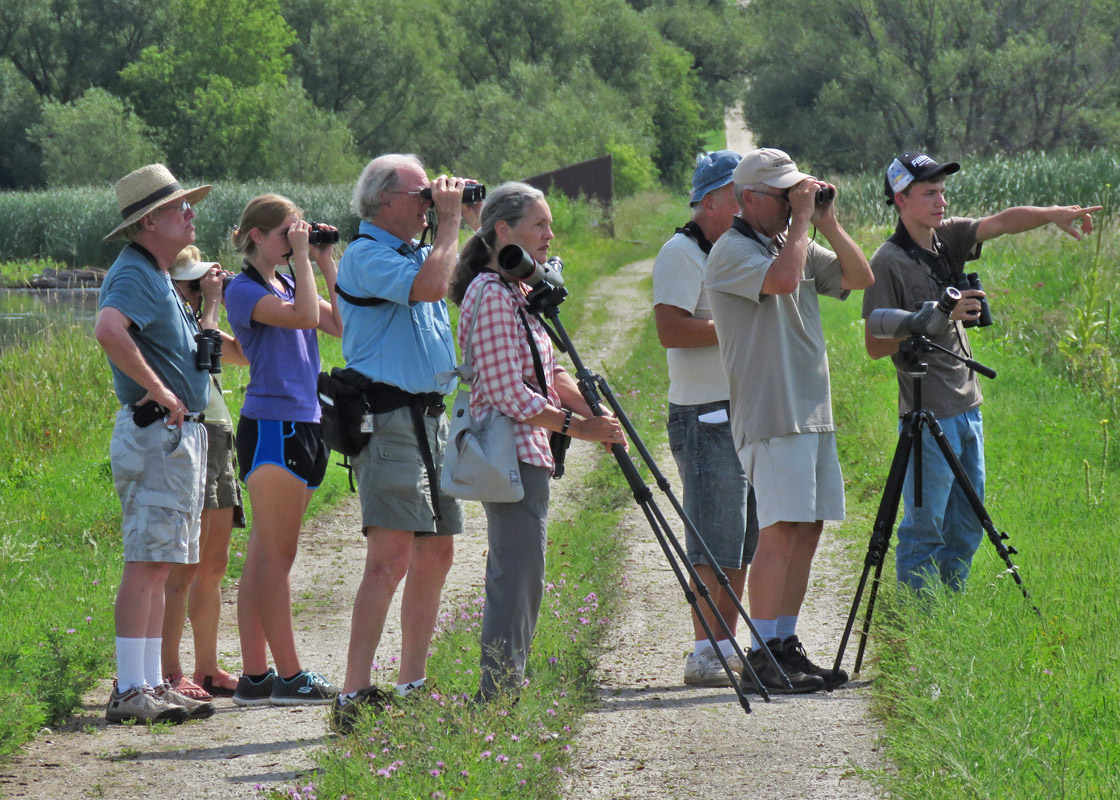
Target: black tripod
<point>909,439</point>
<point>545,299</point>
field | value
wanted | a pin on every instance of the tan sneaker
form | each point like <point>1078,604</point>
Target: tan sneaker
<point>198,709</point>
<point>140,704</point>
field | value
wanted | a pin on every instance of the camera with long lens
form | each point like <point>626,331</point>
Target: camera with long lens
<point>208,356</point>
<point>473,192</point>
<point>932,319</point>
<point>318,235</point>
<point>516,263</point>
<point>972,281</point>
<point>825,194</point>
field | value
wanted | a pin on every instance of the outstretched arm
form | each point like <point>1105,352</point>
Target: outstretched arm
<point>1026,218</point>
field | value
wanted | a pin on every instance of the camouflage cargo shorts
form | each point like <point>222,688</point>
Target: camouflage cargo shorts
<point>160,477</point>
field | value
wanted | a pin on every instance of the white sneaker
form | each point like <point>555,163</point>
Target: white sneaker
<point>140,704</point>
<point>198,709</point>
<point>705,670</point>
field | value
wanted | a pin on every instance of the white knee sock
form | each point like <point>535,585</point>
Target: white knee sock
<point>152,650</point>
<point>130,663</point>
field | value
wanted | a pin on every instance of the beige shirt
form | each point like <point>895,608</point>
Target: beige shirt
<point>772,346</point>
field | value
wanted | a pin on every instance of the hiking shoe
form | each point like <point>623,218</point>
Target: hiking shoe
<point>345,711</point>
<point>305,689</point>
<point>140,704</point>
<point>704,669</point>
<point>771,678</point>
<point>198,709</point>
<point>255,693</point>
<point>793,656</point>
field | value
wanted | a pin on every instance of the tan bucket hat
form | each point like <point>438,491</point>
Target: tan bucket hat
<point>147,188</point>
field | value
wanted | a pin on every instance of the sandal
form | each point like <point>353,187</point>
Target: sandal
<point>218,685</point>
<point>188,688</point>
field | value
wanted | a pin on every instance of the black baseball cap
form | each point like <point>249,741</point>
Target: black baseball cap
<point>911,167</point>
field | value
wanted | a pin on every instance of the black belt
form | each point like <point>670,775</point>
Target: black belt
<point>383,397</point>
<point>186,417</point>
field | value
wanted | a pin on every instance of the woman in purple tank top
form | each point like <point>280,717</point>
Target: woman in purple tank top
<point>280,449</point>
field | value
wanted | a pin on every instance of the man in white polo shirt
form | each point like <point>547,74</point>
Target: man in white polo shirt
<point>716,495</point>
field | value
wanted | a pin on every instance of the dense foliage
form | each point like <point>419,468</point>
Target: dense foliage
<point>850,81</point>
<point>305,91</point>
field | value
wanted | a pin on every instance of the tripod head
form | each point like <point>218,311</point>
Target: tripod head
<point>912,348</point>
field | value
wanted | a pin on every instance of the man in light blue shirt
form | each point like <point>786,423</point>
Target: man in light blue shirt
<point>396,332</point>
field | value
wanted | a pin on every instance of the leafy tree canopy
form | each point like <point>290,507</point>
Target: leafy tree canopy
<point>847,83</point>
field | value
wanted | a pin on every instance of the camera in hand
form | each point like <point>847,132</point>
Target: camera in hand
<point>208,356</point>
<point>318,235</point>
<point>932,319</point>
<point>473,192</point>
<point>826,194</point>
<point>972,281</point>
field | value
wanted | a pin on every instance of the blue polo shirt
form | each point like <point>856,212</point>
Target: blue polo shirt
<point>399,342</point>
<point>162,328</point>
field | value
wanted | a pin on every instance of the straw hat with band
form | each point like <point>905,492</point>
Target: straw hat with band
<point>143,190</point>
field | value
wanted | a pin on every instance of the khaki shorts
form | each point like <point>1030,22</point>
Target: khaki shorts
<point>222,488</point>
<point>392,482</point>
<point>160,476</point>
<point>796,478</point>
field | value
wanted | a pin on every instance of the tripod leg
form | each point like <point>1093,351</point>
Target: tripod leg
<point>721,576</point>
<point>879,543</point>
<point>994,536</point>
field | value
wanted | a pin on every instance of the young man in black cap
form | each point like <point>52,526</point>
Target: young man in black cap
<point>926,253</point>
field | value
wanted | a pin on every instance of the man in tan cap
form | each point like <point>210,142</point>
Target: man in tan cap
<point>764,276</point>
<point>158,447</point>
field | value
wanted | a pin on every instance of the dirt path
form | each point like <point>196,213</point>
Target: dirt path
<point>651,737</point>
<point>654,737</point>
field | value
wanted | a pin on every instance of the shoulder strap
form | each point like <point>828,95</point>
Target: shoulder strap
<point>692,230</point>
<point>354,300</point>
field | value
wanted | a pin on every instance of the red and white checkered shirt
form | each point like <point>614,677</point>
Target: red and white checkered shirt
<point>503,363</point>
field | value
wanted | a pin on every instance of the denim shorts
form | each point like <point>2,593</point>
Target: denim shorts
<point>717,497</point>
<point>392,482</point>
<point>159,474</point>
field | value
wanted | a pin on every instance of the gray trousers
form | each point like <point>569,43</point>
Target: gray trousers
<point>514,582</point>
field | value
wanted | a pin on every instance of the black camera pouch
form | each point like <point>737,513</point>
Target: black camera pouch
<point>342,398</point>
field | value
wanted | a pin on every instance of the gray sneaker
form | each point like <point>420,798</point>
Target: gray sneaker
<point>705,670</point>
<point>198,709</point>
<point>255,693</point>
<point>140,704</point>
<point>305,689</point>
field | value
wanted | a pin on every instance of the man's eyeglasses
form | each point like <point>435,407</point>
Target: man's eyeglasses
<point>783,196</point>
<point>424,194</point>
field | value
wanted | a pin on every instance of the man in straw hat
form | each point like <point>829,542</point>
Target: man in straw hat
<point>764,277</point>
<point>158,447</point>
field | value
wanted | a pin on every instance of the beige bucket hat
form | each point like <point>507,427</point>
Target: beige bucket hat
<point>145,189</point>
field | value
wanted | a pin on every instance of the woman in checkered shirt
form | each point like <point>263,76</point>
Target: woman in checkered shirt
<point>506,382</point>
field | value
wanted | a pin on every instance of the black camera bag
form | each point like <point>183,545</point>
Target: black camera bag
<point>342,397</point>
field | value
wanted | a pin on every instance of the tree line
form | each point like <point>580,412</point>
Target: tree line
<point>306,91</point>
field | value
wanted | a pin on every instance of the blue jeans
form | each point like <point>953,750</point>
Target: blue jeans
<point>717,497</point>
<point>940,538</point>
